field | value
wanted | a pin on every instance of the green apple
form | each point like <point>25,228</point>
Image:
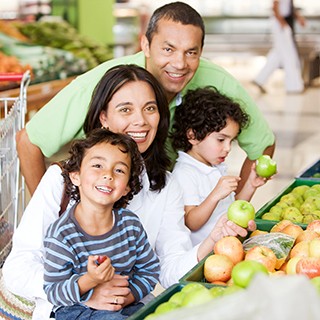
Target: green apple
<point>316,187</point>
<point>196,297</point>
<point>292,214</point>
<point>177,297</point>
<point>232,289</point>
<point>311,192</point>
<point>300,190</point>
<point>316,283</point>
<point>265,166</point>
<point>166,307</point>
<point>291,200</point>
<point>244,271</point>
<point>307,218</point>
<point>271,216</point>
<point>241,212</point>
<point>192,286</point>
<point>217,291</point>
<point>151,316</point>
<point>314,200</point>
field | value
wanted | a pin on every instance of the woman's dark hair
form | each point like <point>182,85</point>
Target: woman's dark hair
<point>155,158</point>
<point>204,110</point>
<point>79,149</point>
<point>177,12</point>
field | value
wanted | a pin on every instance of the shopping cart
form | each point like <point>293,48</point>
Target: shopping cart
<point>12,195</point>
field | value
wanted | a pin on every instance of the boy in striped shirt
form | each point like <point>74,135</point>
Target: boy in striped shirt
<point>97,237</point>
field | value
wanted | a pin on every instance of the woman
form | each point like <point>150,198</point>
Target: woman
<point>128,100</point>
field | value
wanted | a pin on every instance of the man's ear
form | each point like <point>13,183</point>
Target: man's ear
<point>145,46</point>
<point>75,178</point>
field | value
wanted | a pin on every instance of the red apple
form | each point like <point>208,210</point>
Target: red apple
<point>280,225</point>
<point>309,266</point>
<point>101,259</point>
<point>241,212</point>
<point>257,233</point>
<point>307,235</point>
<point>314,248</point>
<point>291,266</point>
<point>300,249</point>
<point>231,247</point>
<point>264,255</point>
<point>314,226</point>
<point>292,230</point>
<point>218,267</point>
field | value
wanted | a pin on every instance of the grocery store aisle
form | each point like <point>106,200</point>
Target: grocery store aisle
<point>295,120</point>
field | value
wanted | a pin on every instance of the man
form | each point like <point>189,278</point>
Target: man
<point>171,51</point>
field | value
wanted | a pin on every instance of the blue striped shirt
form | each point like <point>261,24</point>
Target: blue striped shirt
<point>67,247</point>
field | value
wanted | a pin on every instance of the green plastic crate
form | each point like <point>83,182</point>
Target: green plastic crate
<point>313,172</point>
<point>196,274</point>
<point>151,306</point>
<point>266,225</point>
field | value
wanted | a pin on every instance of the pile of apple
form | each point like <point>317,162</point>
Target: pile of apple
<point>301,205</point>
<point>303,258</point>
<point>191,295</point>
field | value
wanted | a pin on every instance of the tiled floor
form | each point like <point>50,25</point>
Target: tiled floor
<point>295,120</point>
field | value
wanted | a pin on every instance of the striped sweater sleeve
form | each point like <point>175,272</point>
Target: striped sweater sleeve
<point>60,281</point>
<point>146,270</point>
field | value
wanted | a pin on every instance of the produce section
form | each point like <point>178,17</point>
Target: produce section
<point>285,250</point>
<point>298,203</point>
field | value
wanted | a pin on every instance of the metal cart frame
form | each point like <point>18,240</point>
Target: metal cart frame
<point>12,186</point>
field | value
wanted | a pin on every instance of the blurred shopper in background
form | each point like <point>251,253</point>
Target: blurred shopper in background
<point>284,53</point>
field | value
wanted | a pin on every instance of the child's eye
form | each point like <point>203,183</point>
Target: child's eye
<point>120,171</point>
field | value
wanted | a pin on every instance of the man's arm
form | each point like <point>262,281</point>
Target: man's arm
<point>32,162</point>
<point>246,167</point>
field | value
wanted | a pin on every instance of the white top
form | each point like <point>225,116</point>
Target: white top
<point>161,214</point>
<point>284,7</point>
<point>197,180</point>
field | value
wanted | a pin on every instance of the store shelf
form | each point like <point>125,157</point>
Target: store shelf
<point>38,94</point>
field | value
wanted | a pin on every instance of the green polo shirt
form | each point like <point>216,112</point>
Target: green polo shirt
<point>61,119</point>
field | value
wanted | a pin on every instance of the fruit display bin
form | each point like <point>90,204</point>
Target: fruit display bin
<point>151,306</point>
<point>266,225</point>
<point>313,172</point>
<point>196,274</point>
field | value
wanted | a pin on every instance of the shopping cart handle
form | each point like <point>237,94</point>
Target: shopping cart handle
<point>11,76</point>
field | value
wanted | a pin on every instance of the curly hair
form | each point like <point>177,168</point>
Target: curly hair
<point>155,157</point>
<point>79,149</point>
<point>204,110</point>
<point>178,12</point>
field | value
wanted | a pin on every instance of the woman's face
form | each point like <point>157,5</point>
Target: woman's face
<point>133,110</point>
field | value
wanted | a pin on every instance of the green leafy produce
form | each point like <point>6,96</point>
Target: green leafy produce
<point>63,36</point>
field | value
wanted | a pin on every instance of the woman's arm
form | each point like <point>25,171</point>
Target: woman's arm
<point>31,160</point>
<point>23,269</point>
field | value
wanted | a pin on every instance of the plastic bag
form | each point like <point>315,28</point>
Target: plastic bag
<point>279,243</point>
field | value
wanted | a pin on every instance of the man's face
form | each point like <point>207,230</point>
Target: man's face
<point>173,54</point>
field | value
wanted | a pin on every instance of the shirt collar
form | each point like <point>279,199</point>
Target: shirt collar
<point>183,157</point>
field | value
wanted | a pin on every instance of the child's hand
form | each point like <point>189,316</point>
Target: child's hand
<point>225,186</point>
<point>102,272</point>
<point>255,180</point>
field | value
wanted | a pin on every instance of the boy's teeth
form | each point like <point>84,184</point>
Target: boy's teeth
<point>104,189</point>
